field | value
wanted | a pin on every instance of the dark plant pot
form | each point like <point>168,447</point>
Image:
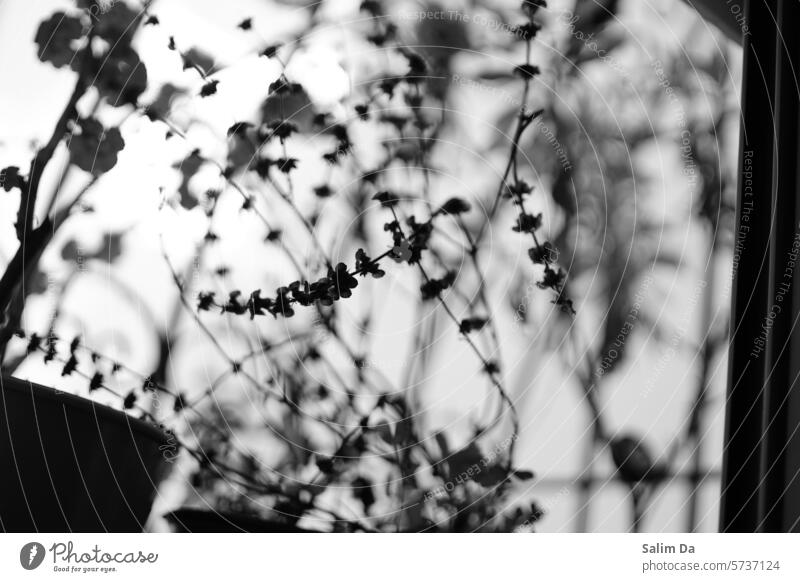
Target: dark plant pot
<point>70,464</point>
<point>191,520</point>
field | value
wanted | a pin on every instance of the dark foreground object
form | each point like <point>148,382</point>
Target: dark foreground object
<point>69,464</point>
<point>761,456</point>
<point>189,520</point>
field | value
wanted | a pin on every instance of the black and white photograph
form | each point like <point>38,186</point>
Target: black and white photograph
<point>400,267</point>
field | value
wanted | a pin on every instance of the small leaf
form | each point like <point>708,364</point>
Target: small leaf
<point>386,198</point>
<point>95,149</point>
<point>117,24</point>
<point>323,191</point>
<point>123,77</point>
<point>239,129</point>
<point>162,104</point>
<point>543,254</point>
<point>528,222</point>
<point>455,206</point>
<point>180,402</point>
<point>209,88</point>
<point>56,37</point>
<point>527,71</point>
<point>271,51</point>
<point>130,400</point>
<point>70,366</point>
<point>10,178</point>
<point>200,59</point>
<point>188,167</point>
<point>470,457</point>
<point>96,382</point>
<point>470,324</point>
<point>491,476</point>
<point>523,475</point>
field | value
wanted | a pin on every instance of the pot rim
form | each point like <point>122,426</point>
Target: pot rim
<point>74,401</point>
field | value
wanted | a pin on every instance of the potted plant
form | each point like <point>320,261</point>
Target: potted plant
<point>339,424</point>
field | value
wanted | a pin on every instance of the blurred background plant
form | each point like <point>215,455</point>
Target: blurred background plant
<point>370,262</point>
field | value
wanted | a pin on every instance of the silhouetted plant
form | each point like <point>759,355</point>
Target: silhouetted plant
<point>260,169</point>
<point>337,444</point>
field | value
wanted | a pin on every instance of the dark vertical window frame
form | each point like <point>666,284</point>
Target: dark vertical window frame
<point>779,505</point>
<point>741,467</point>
